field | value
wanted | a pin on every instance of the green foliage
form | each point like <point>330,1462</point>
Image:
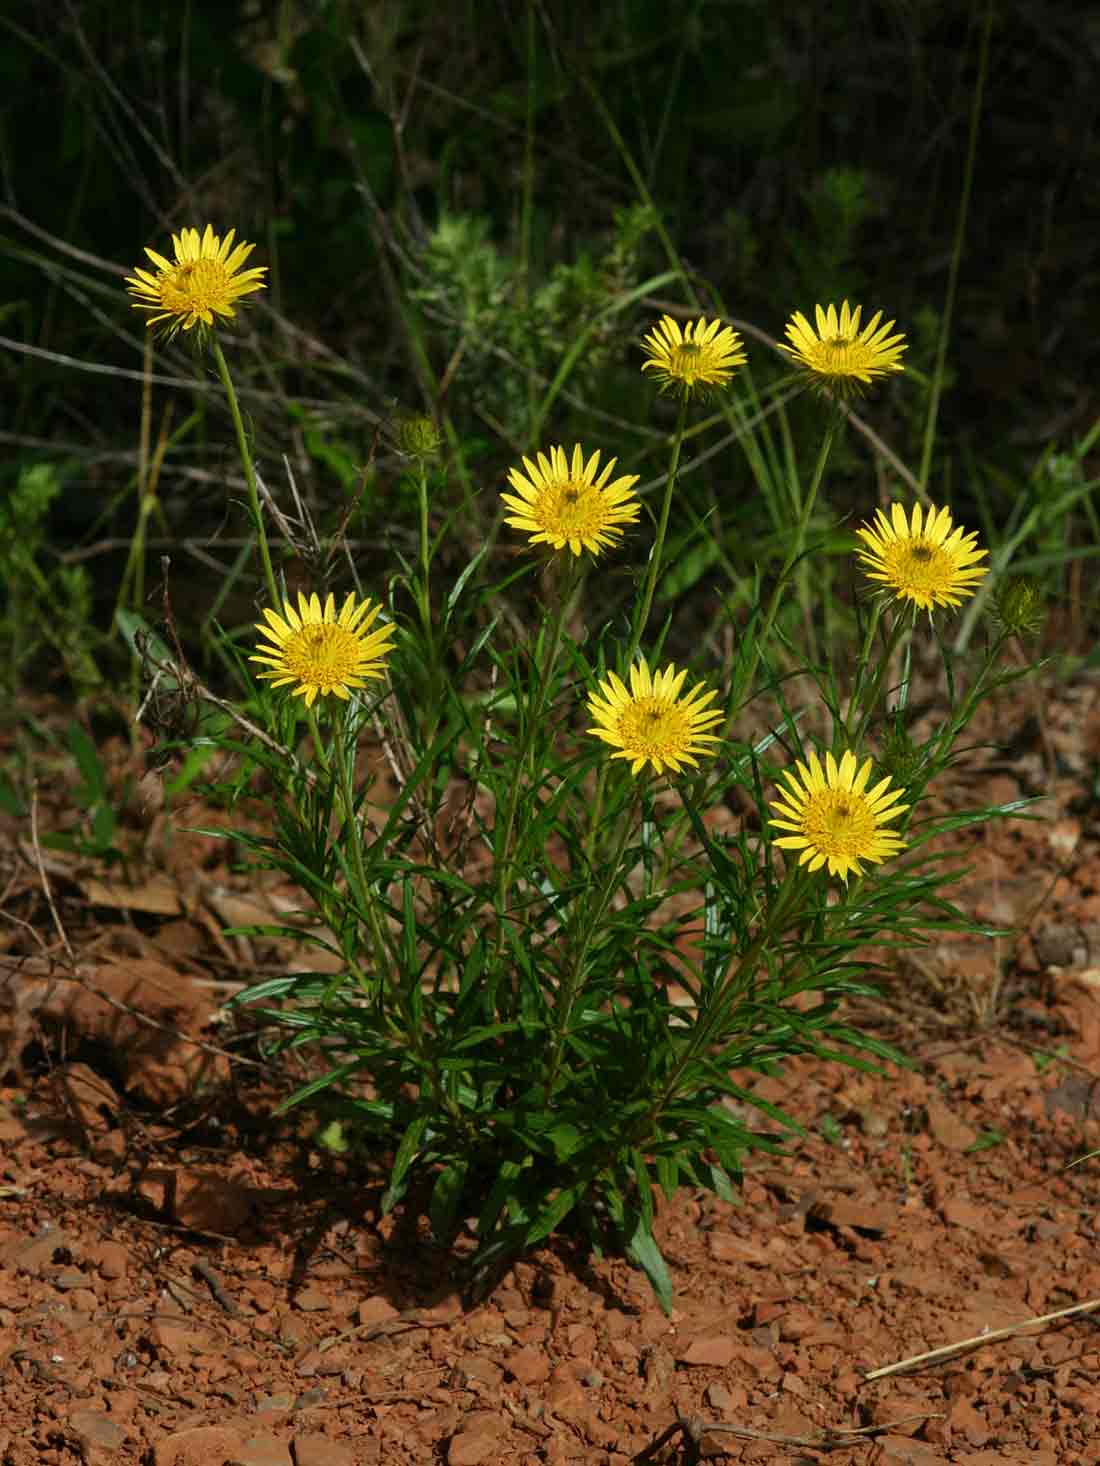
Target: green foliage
<point>42,604</point>
<point>500,326</point>
<point>525,1016</point>
<point>556,976</point>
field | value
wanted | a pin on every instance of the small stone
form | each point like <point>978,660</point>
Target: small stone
<point>265,1403</point>
<point>899,1450</point>
<point>318,1450</point>
<point>959,1213</point>
<point>715,1349</point>
<point>112,1258</point>
<point>719,1398</point>
<point>69,1279</point>
<point>200,1446</point>
<point>208,1202</point>
<point>472,1370</point>
<point>155,1187</point>
<point>966,1420</point>
<point>174,1341</point>
<point>527,1366</point>
<point>95,1432</point>
<point>844,1211</point>
<point>469,1447</point>
<point>35,1255</point>
<point>374,1310</point>
<point>727,1247</point>
<point>311,1300</point>
<point>948,1130</point>
<point>262,1450</point>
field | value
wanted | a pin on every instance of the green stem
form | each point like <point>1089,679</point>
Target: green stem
<point>320,753</point>
<point>249,471</point>
<point>423,598</point>
<point>866,700</point>
<point>763,633</point>
<point>411,1033</point>
<point>708,1028</point>
<point>570,985</point>
<point>570,580</point>
<point>641,617</point>
<point>641,613</point>
<point>346,787</point>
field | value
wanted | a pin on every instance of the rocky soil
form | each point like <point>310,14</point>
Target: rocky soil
<point>187,1281</point>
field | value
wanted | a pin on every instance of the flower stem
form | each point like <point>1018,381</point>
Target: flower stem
<point>641,616</point>
<point>569,582</point>
<point>346,787</point>
<point>864,701</point>
<point>571,983</point>
<point>422,596</point>
<point>763,632</point>
<point>249,471</point>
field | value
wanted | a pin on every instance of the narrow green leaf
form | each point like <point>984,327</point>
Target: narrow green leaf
<point>406,1154</point>
<point>643,1249</point>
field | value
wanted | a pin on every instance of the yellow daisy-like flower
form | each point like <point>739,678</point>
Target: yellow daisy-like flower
<point>321,651</point>
<point>203,281</point>
<point>836,820</point>
<point>563,502</point>
<point>652,723</point>
<point>838,356</point>
<point>701,355</point>
<point>921,559</point>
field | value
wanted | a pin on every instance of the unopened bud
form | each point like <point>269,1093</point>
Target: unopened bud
<point>419,438</point>
<point>1019,607</point>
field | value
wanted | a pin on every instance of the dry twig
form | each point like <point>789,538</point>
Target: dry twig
<point>963,1346</point>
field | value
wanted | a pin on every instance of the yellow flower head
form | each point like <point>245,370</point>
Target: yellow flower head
<point>838,357</point>
<point>701,355</point>
<point>652,723</point>
<point>835,820</point>
<point>202,282</point>
<point>921,559</point>
<point>563,502</point>
<point>321,651</point>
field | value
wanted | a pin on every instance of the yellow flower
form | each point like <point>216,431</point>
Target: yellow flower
<point>838,356</point>
<point>836,820</point>
<point>922,559</point>
<point>321,651</point>
<point>700,356</point>
<point>563,503</point>
<point>202,281</point>
<point>652,723</point>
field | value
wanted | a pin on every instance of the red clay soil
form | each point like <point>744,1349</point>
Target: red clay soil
<point>185,1281</point>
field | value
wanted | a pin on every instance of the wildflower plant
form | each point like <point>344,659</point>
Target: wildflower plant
<point>494,1023</point>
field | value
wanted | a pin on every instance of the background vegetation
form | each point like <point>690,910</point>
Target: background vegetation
<point>453,200</point>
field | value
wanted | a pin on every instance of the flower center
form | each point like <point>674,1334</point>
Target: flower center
<point>194,285</point>
<point>684,361</point>
<point>653,725</point>
<point>322,654</point>
<point>919,568</point>
<point>838,823</point>
<point>574,507</point>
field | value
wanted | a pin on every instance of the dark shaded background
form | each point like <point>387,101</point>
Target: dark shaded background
<point>795,152</point>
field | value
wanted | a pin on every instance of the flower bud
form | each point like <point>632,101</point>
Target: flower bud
<point>1018,606</point>
<point>419,438</point>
